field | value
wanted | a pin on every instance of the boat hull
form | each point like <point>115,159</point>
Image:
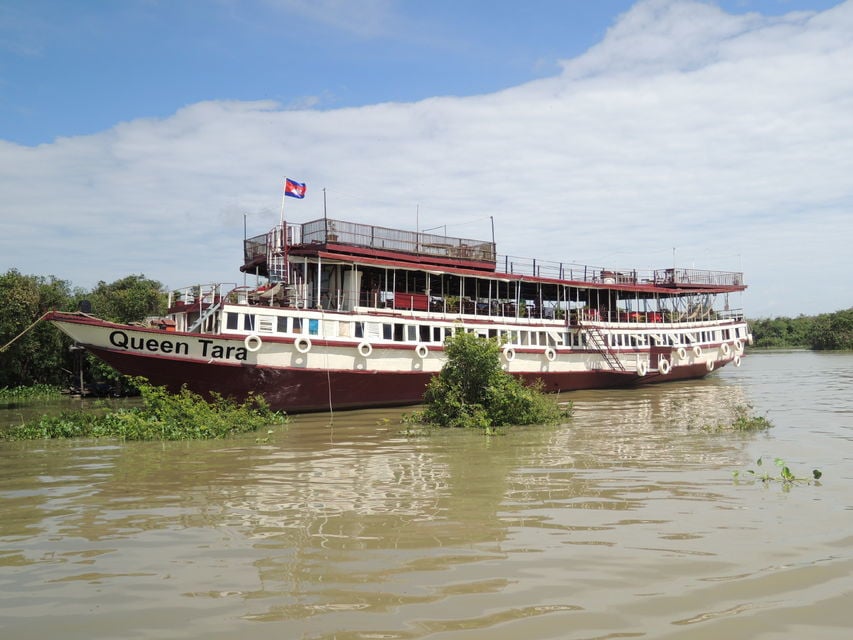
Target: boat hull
<point>332,375</point>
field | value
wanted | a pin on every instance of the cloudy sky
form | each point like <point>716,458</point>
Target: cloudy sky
<point>137,136</point>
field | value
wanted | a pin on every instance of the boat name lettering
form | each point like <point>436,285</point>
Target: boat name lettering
<point>210,350</point>
<point>122,340</point>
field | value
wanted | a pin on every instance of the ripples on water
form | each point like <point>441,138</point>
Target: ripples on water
<point>625,522</point>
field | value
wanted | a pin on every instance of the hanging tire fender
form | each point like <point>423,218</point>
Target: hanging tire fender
<point>302,344</point>
<point>253,342</point>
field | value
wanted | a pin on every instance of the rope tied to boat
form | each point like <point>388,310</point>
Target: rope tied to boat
<point>9,344</point>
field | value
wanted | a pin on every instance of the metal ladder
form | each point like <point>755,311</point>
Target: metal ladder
<point>277,255</point>
<point>600,343</point>
<point>212,309</point>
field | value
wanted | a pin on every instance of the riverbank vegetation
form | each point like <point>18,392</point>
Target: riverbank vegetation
<point>828,331</point>
<point>33,352</point>
<point>161,416</point>
<point>33,393</point>
<point>472,390</point>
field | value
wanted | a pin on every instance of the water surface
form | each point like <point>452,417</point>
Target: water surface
<point>625,522</point>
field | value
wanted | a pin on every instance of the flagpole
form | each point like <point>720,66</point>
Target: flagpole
<point>283,193</point>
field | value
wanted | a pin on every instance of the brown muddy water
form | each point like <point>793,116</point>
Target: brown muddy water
<point>625,522</point>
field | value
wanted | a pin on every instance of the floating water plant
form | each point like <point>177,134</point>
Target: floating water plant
<point>742,420</point>
<point>786,477</point>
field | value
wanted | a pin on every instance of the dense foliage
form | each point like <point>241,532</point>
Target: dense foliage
<point>42,354</point>
<point>826,331</point>
<point>472,390</point>
<point>162,416</point>
<point>130,299</point>
<point>832,331</point>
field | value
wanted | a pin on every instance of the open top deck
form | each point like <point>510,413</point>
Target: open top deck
<point>332,239</point>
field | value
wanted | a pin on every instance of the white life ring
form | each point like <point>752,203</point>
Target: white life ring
<point>509,353</point>
<point>303,344</point>
<point>365,349</point>
<point>738,346</point>
<point>664,367</point>
<point>253,342</point>
<point>725,349</point>
<point>682,353</point>
<point>422,350</point>
<point>710,365</point>
<point>550,353</point>
<point>697,351</point>
<point>642,368</point>
<point>737,361</point>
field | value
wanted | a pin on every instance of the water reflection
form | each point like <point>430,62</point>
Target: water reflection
<point>622,522</point>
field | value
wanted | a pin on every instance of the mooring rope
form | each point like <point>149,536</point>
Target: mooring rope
<point>9,344</point>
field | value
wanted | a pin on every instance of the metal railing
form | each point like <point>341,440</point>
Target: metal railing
<point>329,231</point>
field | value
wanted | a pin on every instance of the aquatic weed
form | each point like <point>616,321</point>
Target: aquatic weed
<point>162,416</point>
<point>786,477</point>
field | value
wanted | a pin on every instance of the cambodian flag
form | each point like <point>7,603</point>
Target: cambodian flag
<point>294,189</point>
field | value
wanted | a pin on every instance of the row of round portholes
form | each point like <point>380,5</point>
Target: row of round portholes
<point>302,344</point>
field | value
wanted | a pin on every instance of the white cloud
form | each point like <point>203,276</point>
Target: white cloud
<point>725,137</point>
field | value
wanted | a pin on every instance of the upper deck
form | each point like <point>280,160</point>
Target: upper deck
<point>339,239</point>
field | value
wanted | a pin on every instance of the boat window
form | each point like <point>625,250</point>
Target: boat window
<point>265,324</point>
<point>313,326</point>
<point>359,329</point>
<point>297,325</point>
<point>424,331</point>
<point>411,333</point>
<point>281,324</point>
<point>249,322</point>
<point>232,321</point>
<point>387,331</point>
<point>436,334</point>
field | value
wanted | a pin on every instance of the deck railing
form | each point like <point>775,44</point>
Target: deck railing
<point>586,273</point>
<point>329,231</point>
<point>383,238</point>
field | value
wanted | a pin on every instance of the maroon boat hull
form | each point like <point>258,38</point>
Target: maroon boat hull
<point>304,390</point>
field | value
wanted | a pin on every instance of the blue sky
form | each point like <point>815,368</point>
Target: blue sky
<point>720,131</point>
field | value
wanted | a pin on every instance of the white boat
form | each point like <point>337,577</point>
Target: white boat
<point>348,315</point>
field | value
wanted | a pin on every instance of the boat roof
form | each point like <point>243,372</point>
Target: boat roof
<point>338,241</point>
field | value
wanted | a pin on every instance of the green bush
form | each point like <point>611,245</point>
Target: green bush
<point>162,416</point>
<point>473,391</point>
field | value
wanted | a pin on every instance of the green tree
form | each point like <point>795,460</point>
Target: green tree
<point>781,332</point>
<point>41,355</point>
<point>832,331</point>
<point>472,390</point>
<point>129,299</point>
